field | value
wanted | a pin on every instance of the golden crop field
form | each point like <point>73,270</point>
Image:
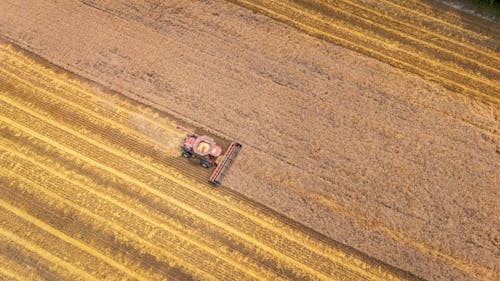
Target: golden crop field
<point>460,54</point>
<point>93,187</point>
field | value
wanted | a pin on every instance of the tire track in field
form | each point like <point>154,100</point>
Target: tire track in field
<point>393,47</point>
<point>72,162</point>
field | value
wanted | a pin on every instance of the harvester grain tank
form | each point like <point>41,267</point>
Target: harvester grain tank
<point>209,153</point>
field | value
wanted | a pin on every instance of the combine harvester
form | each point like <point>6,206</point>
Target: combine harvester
<point>209,153</point>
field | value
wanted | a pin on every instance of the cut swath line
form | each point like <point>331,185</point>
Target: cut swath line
<point>414,39</point>
<point>8,273</point>
<point>377,41</point>
<point>435,19</point>
<point>451,84</point>
<point>41,252</point>
<point>141,215</point>
<point>77,243</point>
<point>418,28</point>
<point>139,135</point>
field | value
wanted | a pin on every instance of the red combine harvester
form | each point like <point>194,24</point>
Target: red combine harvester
<point>209,153</point>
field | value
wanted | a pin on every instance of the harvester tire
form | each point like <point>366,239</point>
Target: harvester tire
<point>186,154</point>
<point>205,164</point>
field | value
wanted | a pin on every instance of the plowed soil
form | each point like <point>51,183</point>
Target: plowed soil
<point>398,167</point>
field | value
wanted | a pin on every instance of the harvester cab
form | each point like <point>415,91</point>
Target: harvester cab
<point>209,154</point>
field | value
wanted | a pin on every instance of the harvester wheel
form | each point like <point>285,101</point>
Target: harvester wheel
<point>186,154</point>
<point>205,164</point>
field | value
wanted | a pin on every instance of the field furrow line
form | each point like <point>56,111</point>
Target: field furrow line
<point>358,43</point>
<point>77,273</point>
<point>232,258</point>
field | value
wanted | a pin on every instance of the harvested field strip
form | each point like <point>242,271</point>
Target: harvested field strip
<point>410,36</point>
<point>118,139</point>
<point>89,218</point>
<point>105,160</point>
<point>419,31</point>
<point>20,214</point>
<point>55,261</point>
<point>79,170</point>
<point>164,229</point>
<point>436,18</point>
<point>450,66</point>
<point>6,274</point>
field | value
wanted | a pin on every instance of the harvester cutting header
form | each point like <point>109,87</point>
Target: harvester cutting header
<point>209,154</point>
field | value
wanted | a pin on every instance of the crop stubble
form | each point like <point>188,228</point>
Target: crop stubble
<point>464,68</point>
<point>89,196</point>
<point>408,158</point>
